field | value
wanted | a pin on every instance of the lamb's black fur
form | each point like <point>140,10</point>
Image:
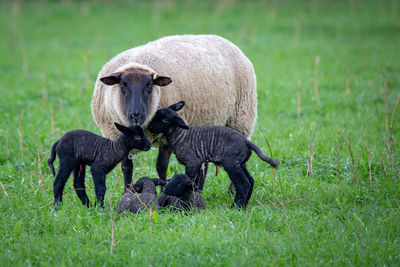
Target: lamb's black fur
<point>142,196</point>
<point>196,146</point>
<point>78,148</point>
<point>180,193</point>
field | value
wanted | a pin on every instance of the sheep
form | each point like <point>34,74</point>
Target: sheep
<point>181,194</point>
<point>142,195</point>
<point>193,146</point>
<point>78,148</point>
<point>128,88</point>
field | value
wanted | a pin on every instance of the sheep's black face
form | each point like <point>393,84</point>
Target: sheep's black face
<point>167,119</point>
<point>136,88</point>
<point>178,185</point>
<point>135,137</point>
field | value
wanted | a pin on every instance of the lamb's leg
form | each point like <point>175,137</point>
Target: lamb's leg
<point>251,180</point>
<point>65,169</point>
<point>127,170</point>
<point>202,175</point>
<point>193,173</point>
<point>99,180</point>
<point>79,184</point>
<point>164,154</point>
<point>241,183</point>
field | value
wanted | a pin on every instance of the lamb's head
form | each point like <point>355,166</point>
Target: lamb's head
<point>179,185</point>
<point>136,88</point>
<point>136,139</point>
<point>146,184</point>
<point>166,120</point>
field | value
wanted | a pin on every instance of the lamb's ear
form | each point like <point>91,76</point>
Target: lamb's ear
<point>177,106</point>
<point>161,80</point>
<point>112,79</point>
<point>123,129</point>
<point>181,123</point>
<point>138,187</point>
<point>157,181</point>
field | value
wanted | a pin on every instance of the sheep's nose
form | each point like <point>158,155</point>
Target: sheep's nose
<point>135,115</point>
<point>136,118</point>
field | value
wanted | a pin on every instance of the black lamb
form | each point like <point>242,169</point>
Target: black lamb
<point>180,193</point>
<point>141,196</point>
<point>196,146</point>
<point>78,148</point>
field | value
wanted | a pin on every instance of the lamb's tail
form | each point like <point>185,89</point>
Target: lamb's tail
<point>53,157</point>
<point>259,153</point>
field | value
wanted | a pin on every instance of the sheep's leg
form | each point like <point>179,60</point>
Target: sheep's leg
<point>241,183</point>
<point>99,180</point>
<point>193,173</point>
<point>127,170</point>
<point>251,180</point>
<point>79,184</point>
<point>202,175</point>
<point>164,154</point>
<point>65,169</point>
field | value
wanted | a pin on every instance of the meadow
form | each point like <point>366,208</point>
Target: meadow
<point>328,75</point>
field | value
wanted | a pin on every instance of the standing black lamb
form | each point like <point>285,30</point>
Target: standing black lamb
<point>196,146</point>
<point>141,197</point>
<point>78,148</point>
<point>180,193</point>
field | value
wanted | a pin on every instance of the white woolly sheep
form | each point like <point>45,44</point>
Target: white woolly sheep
<point>211,74</point>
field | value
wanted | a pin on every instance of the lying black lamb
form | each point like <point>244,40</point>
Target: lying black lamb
<point>221,145</point>
<point>141,197</point>
<point>180,193</point>
<point>78,148</point>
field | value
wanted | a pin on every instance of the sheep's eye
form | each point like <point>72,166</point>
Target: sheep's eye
<point>165,120</point>
<point>148,90</point>
<point>137,137</point>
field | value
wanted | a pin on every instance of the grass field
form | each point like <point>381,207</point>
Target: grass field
<point>328,76</point>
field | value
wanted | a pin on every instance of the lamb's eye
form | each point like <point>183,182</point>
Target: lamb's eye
<point>165,120</point>
<point>137,137</point>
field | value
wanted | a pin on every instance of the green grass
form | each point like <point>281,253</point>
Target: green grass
<point>50,55</point>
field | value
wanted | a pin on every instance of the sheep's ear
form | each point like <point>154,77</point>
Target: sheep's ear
<point>157,181</point>
<point>123,129</point>
<point>177,106</point>
<point>181,123</point>
<point>112,79</point>
<point>138,187</point>
<point>161,80</point>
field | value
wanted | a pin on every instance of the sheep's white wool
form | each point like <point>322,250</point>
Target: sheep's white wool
<point>208,72</point>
